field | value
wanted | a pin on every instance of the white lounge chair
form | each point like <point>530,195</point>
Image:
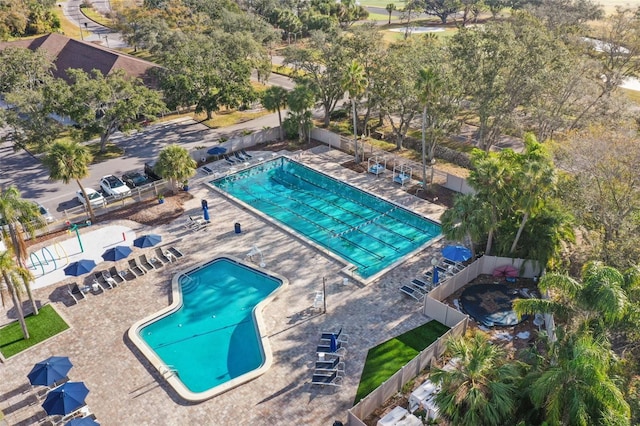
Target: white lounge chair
<point>136,269</point>
<point>76,292</point>
<point>412,292</point>
<point>333,379</point>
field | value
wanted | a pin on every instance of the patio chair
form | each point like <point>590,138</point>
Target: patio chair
<point>329,365</point>
<point>326,349</point>
<point>412,292</point>
<point>421,285</point>
<point>75,292</point>
<point>144,262</point>
<point>157,263</point>
<point>229,160</point>
<point>239,157</point>
<point>244,153</point>
<point>124,275</point>
<point>136,269</point>
<point>117,278</point>
<point>206,170</point>
<point>332,379</point>
<point>108,279</point>
<point>160,255</point>
<point>175,252</point>
<point>339,335</point>
<point>99,279</point>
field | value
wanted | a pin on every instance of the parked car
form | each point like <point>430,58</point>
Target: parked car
<point>133,179</point>
<point>45,213</point>
<point>112,185</point>
<point>150,172</point>
<point>95,198</point>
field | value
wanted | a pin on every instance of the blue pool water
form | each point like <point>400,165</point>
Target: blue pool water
<point>212,338</point>
<point>359,227</point>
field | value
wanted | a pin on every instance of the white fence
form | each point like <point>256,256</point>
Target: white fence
<point>240,142</point>
<point>443,313</point>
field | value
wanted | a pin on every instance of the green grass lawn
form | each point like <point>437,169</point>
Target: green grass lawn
<point>41,327</point>
<point>386,359</point>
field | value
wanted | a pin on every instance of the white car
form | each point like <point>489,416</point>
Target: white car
<point>112,185</point>
<point>95,198</point>
<point>45,213</point>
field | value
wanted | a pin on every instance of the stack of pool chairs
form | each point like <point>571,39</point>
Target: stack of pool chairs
<point>329,367</point>
<point>419,287</point>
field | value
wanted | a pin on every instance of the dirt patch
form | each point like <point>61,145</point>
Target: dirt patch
<point>148,212</point>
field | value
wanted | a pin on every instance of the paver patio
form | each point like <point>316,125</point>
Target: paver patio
<point>126,390</point>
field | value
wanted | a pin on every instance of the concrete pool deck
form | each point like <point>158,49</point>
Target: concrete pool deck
<point>126,390</point>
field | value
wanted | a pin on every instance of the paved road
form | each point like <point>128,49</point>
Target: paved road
<point>90,30</point>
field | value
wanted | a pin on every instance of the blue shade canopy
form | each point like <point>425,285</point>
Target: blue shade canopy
<point>217,150</point>
<point>456,253</point>
<point>84,421</point>
<point>147,240</point>
<point>205,214</point>
<point>116,253</point>
<point>49,371</point>
<point>65,399</point>
<point>80,267</point>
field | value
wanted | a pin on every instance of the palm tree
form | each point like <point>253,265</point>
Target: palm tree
<point>19,215</point>
<point>175,164</point>
<point>67,161</point>
<point>600,300</point>
<point>300,101</point>
<point>14,274</point>
<point>468,219</point>
<point>428,85</point>
<point>536,182</point>
<point>354,81</point>
<point>576,385</point>
<point>274,99</point>
<point>481,388</point>
<point>390,8</point>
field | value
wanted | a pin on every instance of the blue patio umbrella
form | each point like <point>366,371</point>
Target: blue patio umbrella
<point>217,150</point>
<point>80,267</point>
<point>435,278</point>
<point>456,253</point>
<point>333,344</point>
<point>116,253</point>
<point>84,421</point>
<point>65,399</point>
<point>147,240</point>
<point>205,213</point>
<point>49,371</point>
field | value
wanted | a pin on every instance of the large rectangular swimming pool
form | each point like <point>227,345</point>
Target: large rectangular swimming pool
<point>360,228</point>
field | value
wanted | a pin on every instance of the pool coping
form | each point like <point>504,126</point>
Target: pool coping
<point>349,268</point>
<point>176,296</point>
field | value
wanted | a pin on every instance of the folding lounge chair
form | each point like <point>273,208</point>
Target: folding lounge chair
<point>206,170</point>
<point>99,279</point>
<point>421,285</point>
<point>111,281</point>
<point>157,263</point>
<point>136,268</point>
<point>239,157</point>
<point>160,255</point>
<point>333,379</point>
<point>327,348</point>
<point>175,252</point>
<point>124,275</point>
<point>75,292</point>
<point>329,365</point>
<point>339,336</point>
<point>412,292</point>
<point>244,153</point>
<point>144,262</point>
<point>229,160</point>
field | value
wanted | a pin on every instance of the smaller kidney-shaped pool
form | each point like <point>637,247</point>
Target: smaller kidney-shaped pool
<point>210,338</point>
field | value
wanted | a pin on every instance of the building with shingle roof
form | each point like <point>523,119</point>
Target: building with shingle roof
<point>70,53</point>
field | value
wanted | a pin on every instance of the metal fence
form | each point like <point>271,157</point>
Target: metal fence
<point>80,214</point>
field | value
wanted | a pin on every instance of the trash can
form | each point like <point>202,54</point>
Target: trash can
<point>237,228</point>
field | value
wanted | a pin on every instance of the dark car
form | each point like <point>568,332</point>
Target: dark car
<point>150,172</point>
<point>133,179</point>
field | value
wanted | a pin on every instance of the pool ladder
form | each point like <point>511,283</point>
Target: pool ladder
<point>168,371</point>
<point>188,284</point>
